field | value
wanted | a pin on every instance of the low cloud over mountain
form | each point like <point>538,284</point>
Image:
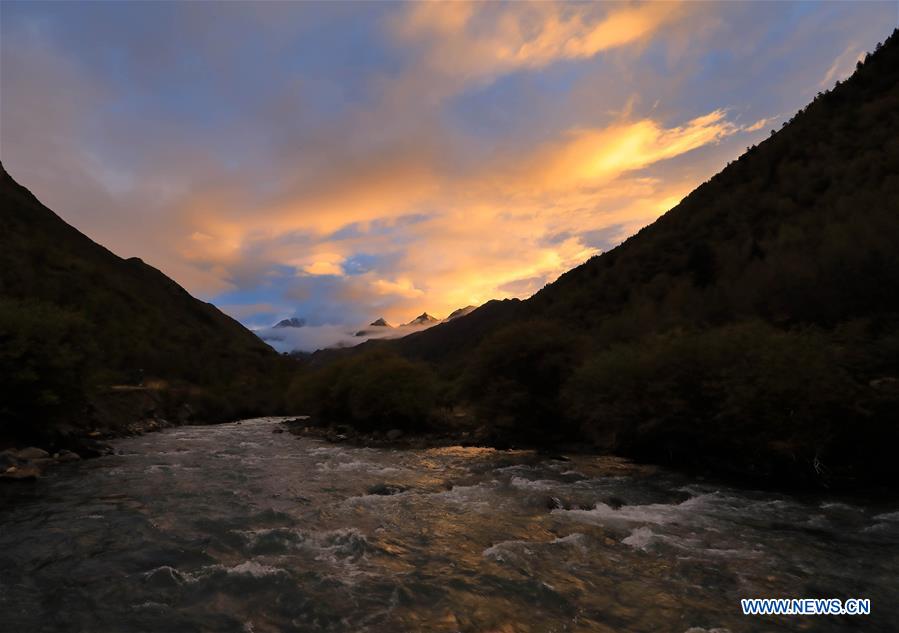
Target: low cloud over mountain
<point>295,334</point>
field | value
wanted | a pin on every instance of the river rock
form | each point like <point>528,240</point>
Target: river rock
<point>394,434</point>
<point>554,503</point>
<point>32,452</point>
<point>7,459</point>
<point>68,456</point>
<point>386,489</point>
<point>21,473</point>
<point>276,430</point>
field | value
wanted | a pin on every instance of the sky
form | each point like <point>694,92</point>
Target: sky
<point>341,162</point>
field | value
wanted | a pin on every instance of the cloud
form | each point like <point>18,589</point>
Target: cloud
<point>308,338</point>
<point>401,287</point>
<point>477,41</point>
<point>760,124</point>
<point>599,155</point>
<point>315,337</point>
<point>446,234</point>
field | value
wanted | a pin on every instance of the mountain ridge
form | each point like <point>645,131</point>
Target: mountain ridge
<point>121,321</point>
<point>291,322</point>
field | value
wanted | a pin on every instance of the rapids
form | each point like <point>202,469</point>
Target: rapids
<point>236,528</point>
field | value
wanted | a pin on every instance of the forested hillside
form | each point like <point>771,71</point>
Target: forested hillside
<point>76,319</point>
<point>752,329</point>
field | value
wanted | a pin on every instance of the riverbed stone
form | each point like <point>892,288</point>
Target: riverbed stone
<point>7,459</point>
<point>394,434</point>
<point>384,489</point>
<point>21,473</point>
<point>33,452</point>
<point>68,456</point>
<point>554,503</point>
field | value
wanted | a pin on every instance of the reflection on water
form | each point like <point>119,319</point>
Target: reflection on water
<point>234,528</point>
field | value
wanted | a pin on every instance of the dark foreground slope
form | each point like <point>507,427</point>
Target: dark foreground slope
<point>81,328</point>
<point>751,330</point>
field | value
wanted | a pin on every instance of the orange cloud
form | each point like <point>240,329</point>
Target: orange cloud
<point>485,232</point>
<point>401,287</point>
<point>323,268</point>
<point>758,125</point>
<point>843,65</point>
<point>475,41</point>
<point>597,156</point>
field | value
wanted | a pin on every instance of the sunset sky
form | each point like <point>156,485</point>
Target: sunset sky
<point>341,162</point>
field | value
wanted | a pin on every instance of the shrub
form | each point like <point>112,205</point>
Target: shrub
<point>748,389</point>
<point>515,376</point>
<point>375,390</point>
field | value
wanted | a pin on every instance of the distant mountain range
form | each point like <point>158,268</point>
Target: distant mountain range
<point>377,329</point>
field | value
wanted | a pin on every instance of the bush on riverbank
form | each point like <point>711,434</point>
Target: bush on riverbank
<point>515,376</point>
<point>741,396</point>
<point>376,390</point>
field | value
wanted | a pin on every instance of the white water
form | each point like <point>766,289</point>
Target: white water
<point>234,528</point>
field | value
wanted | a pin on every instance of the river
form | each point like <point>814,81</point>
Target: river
<point>236,528</point>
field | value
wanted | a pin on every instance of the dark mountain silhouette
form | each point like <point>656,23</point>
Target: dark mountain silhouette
<point>75,317</point>
<point>455,314</point>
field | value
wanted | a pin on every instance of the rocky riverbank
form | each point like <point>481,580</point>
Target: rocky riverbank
<point>114,412</point>
<point>27,463</point>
